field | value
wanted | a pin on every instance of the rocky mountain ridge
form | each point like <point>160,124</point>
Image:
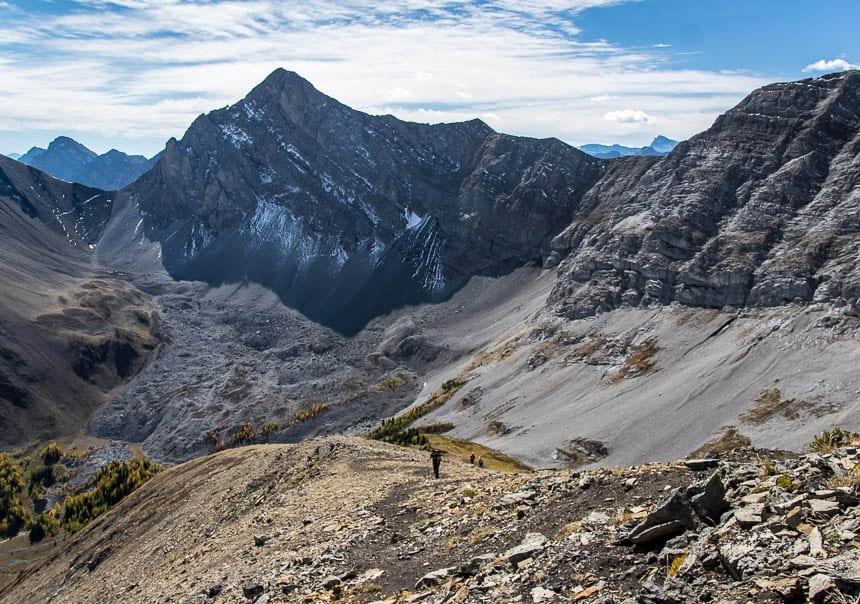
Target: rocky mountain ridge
<point>345,215</point>
<point>350,520</point>
<point>69,160</point>
<point>268,191</point>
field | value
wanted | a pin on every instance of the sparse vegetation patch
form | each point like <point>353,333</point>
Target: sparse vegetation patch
<point>396,429</point>
<point>832,439</point>
<point>639,362</point>
<point>728,440</point>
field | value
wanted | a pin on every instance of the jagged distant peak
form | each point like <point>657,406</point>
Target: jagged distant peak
<point>661,145</point>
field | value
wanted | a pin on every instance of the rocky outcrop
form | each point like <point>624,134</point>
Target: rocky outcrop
<point>347,215</point>
<point>761,209</point>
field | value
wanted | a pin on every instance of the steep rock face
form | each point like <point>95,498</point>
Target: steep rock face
<point>346,215</point>
<point>69,160</point>
<point>76,213</point>
<point>761,209</point>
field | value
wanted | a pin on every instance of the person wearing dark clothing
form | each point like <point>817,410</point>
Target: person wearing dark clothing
<point>480,462</point>
<point>472,458</point>
<point>436,458</point>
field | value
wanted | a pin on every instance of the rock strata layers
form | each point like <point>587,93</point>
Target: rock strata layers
<point>759,210</point>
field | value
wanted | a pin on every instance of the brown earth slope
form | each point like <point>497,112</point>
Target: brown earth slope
<point>350,520</point>
<point>69,334</point>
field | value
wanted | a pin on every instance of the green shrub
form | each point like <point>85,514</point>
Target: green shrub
<point>831,439</point>
<point>396,430</point>
<point>41,477</point>
<point>244,434</point>
<point>268,429</point>
<point>784,482</point>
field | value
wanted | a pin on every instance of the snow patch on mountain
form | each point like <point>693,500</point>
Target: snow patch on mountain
<point>237,137</point>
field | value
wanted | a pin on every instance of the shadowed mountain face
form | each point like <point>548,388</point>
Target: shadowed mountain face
<point>67,159</point>
<point>345,215</point>
<point>759,210</point>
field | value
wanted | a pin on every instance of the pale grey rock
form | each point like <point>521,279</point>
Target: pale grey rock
<point>822,507</point>
<point>532,544</point>
<point>818,586</point>
<point>750,515</point>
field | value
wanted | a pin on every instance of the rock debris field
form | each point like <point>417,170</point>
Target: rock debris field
<point>342,519</point>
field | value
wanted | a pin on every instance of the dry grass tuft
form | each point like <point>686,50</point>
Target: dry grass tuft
<point>729,440</point>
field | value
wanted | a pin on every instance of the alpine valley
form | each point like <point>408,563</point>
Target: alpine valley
<point>294,263</point>
<point>290,250</point>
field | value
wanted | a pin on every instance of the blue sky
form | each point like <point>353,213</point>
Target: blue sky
<point>131,73</point>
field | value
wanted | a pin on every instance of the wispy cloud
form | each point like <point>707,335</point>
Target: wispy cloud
<point>830,65</point>
<point>145,69</point>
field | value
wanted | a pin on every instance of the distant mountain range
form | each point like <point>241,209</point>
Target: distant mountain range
<point>659,146</point>
<point>69,160</point>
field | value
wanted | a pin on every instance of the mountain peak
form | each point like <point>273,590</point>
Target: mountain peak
<point>70,144</point>
<point>67,159</point>
<point>662,144</point>
<point>283,79</point>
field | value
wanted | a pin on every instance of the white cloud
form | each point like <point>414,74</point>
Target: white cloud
<point>149,69</point>
<point>662,45</point>
<point>629,116</point>
<point>831,65</point>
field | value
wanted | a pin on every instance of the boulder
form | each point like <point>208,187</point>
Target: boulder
<point>750,515</point>
<point>673,515</point>
<point>710,501</point>
<point>532,544</point>
<point>844,567</point>
<point>434,578</point>
<point>818,586</point>
<point>697,465</point>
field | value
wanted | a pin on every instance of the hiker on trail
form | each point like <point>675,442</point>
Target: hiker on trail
<point>472,458</point>
<point>436,458</point>
<point>480,462</point>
